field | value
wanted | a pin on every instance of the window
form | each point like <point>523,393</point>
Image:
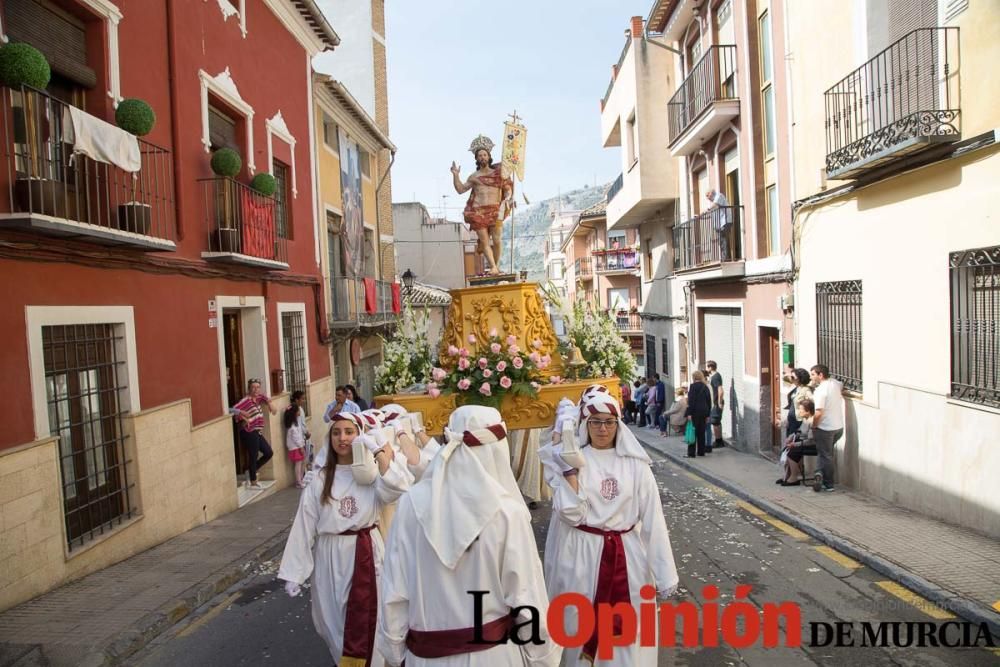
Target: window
<point>618,299</point>
<point>975,325</point>
<point>556,268</point>
<point>665,352</point>
<point>773,221</point>
<point>281,194</point>
<point>369,256</point>
<point>649,259</point>
<point>221,130</point>
<point>616,237</point>
<point>766,89</point>
<point>631,138</point>
<point>330,133</point>
<point>650,355</point>
<point>838,330</point>
<point>61,37</point>
<point>293,345</point>
<point>365,159</point>
<point>84,379</point>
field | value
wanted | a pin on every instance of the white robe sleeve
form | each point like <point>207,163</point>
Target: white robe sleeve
<point>427,453</point>
<point>394,483</point>
<point>654,533</point>
<point>394,616</point>
<point>524,586</point>
<point>297,560</point>
<point>571,506</point>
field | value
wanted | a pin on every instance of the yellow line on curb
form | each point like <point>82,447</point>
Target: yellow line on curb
<point>908,596</point>
<point>839,558</point>
<point>753,509</point>
<point>996,605</point>
<point>785,528</point>
<point>209,616</point>
<point>708,485</point>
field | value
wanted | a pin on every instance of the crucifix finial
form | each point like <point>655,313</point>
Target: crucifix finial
<point>514,117</point>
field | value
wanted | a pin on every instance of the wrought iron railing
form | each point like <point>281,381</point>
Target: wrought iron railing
<point>628,321</point>
<point>360,301</point>
<point>45,178</point>
<point>906,94</point>
<point>616,260</point>
<point>583,267</point>
<point>710,238</point>
<point>975,325</point>
<point>616,187</point>
<point>712,79</point>
<point>242,221</point>
<point>838,331</point>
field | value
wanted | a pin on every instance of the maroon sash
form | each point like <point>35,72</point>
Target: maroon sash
<point>612,579</point>
<point>444,643</point>
<point>362,603</point>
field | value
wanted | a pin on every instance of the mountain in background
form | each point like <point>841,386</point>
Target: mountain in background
<point>532,222</point>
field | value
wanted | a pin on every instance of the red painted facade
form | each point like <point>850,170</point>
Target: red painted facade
<point>162,47</point>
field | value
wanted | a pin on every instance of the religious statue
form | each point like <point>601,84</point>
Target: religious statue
<point>489,204</point>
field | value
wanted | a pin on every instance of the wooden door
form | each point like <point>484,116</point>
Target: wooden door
<point>770,382</point>
<point>232,333</point>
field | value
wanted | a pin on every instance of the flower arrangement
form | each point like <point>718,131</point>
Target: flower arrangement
<point>483,376</point>
<point>407,355</point>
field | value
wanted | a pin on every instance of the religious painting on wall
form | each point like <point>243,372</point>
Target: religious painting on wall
<point>352,237</point>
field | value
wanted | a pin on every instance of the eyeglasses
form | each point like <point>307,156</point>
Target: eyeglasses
<point>599,424</point>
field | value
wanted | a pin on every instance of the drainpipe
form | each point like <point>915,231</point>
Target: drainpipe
<point>378,213</point>
<point>174,118</point>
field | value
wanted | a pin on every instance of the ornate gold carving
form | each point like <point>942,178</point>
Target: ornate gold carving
<point>539,326</point>
<point>479,318</point>
<point>518,410</point>
<point>452,333</point>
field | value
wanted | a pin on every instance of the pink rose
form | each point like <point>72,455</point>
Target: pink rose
<point>493,332</point>
<point>439,374</point>
<point>537,344</point>
<point>482,362</point>
<point>511,340</point>
<point>501,366</point>
<point>463,364</point>
<point>495,348</point>
<point>485,389</point>
<point>487,373</point>
<point>463,352</point>
<point>545,361</point>
<point>433,392</point>
<point>452,351</point>
<point>513,349</point>
<point>505,382</point>
<point>472,338</point>
<point>535,357</point>
<point>464,384</point>
<point>555,379</point>
<point>518,363</point>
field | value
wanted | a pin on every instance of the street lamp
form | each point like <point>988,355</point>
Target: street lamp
<point>408,278</point>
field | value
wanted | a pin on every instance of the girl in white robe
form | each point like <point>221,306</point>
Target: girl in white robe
<point>611,500</point>
<point>333,540</point>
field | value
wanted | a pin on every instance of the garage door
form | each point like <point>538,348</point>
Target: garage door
<point>724,345</point>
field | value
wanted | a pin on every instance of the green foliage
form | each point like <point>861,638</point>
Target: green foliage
<point>135,116</point>
<point>483,376</point>
<point>226,162</point>
<point>406,355</point>
<point>23,64</point>
<point>264,184</point>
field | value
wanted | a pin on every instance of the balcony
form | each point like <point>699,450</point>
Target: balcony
<point>628,322</point>
<point>705,102</point>
<point>903,100</point>
<point>358,303</point>
<point>583,268</point>
<point>616,187</point>
<point>611,262</point>
<point>710,240</point>
<point>55,192</point>
<point>244,226</point>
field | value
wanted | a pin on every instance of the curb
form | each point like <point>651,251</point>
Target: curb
<point>153,624</point>
<point>948,600</point>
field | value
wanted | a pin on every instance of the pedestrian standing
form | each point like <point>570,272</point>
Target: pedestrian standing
<point>639,396</point>
<point>332,541</point>
<point>800,392</point>
<point>718,401</point>
<point>296,435</point>
<point>251,429</point>
<point>699,407</point>
<point>828,424</point>
<point>661,399</point>
<point>627,402</point>
<point>653,400</point>
<point>353,394</point>
<point>341,403</point>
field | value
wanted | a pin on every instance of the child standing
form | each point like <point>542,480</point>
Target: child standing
<point>296,435</point>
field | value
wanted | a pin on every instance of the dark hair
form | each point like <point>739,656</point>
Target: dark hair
<point>340,387</point>
<point>821,370</point>
<point>711,365</point>
<point>808,406</point>
<point>297,394</point>
<point>638,382</point>
<point>801,376</point>
<point>656,375</point>
<point>350,388</point>
<point>291,415</point>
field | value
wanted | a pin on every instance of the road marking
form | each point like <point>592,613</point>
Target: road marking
<point>996,605</point>
<point>785,528</point>
<point>209,616</point>
<point>753,509</point>
<point>839,558</point>
<point>908,596</point>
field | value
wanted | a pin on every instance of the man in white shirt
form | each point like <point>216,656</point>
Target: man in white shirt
<point>341,403</point>
<point>828,423</point>
<point>723,218</point>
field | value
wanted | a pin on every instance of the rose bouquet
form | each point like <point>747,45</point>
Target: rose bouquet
<point>484,375</point>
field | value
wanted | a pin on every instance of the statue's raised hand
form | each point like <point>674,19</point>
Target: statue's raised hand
<point>455,168</point>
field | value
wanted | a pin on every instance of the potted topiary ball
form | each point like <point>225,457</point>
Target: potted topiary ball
<point>226,162</point>
<point>135,116</point>
<point>23,65</point>
<point>265,184</point>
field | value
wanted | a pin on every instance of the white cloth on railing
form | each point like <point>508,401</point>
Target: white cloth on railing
<point>101,141</point>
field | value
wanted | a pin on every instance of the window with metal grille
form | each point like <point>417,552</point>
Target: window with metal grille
<point>665,350</point>
<point>838,330</point>
<point>330,133</point>
<point>650,355</point>
<point>281,193</point>
<point>294,342</point>
<point>84,379</point>
<point>975,325</point>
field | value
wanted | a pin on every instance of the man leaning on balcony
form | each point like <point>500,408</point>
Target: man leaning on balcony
<point>722,217</point>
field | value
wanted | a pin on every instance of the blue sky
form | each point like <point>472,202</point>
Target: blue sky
<point>456,70</point>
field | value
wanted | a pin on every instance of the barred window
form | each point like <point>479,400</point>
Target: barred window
<point>838,330</point>
<point>650,355</point>
<point>975,325</point>
<point>84,379</point>
<point>293,339</point>
<point>665,349</point>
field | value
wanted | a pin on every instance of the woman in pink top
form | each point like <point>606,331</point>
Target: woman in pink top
<point>251,422</point>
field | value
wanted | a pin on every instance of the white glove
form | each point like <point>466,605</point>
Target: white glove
<point>415,423</point>
<point>308,478</point>
<point>370,441</point>
<point>571,453</point>
<point>364,469</point>
<point>293,589</point>
<point>397,425</point>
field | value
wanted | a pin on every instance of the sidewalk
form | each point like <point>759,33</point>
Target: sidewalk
<point>108,615</point>
<point>954,567</point>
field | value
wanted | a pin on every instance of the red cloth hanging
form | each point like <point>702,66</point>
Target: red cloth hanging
<point>397,301</point>
<point>258,225</point>
<point>371,306</point>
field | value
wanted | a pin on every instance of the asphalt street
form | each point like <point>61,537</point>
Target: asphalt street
<point>716,538</point>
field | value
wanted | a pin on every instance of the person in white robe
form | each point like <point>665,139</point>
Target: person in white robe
<point>611,500</point>
<point>332,540</point>
<point>464,527</point>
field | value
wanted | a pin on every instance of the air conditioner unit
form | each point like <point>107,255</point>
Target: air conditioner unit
<point>787,301</point>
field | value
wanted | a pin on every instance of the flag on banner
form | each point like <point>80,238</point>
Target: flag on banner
<point>514,136</point>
